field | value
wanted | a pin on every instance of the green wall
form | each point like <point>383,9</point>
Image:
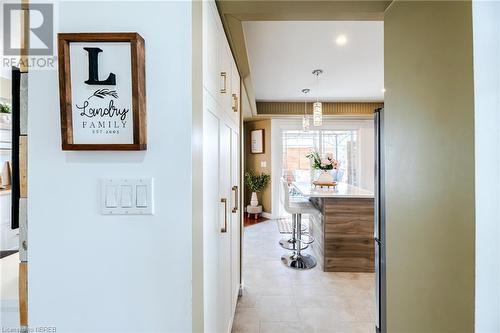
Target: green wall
<point>429,112</point>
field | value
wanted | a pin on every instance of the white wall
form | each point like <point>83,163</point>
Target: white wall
<point>95,273</point>
<point>486,25</point>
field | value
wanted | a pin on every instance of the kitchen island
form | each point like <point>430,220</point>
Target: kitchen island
<point>344,231</point>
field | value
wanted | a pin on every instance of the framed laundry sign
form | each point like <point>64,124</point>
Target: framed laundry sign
<point>102,91</point>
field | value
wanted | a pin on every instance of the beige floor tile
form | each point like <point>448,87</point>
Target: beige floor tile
<point>246,320</point>
<point>325,318</point>
<point>270,301</point>
<point>347,327</point>
<point>281,327</point>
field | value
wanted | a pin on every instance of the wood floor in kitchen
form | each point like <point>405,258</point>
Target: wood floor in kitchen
<point>277,299</point>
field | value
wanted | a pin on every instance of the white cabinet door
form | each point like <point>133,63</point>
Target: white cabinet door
<point>226,74</point>
<point>211,227</point>
<point>235,218</point>
<point>225,288</point>
<point>211,50</point>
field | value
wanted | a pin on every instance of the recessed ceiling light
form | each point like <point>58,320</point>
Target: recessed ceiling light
<point>341,40</point>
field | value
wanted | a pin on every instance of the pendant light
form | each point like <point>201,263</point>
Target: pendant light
<point>317,107</point>
<point>305,118</point>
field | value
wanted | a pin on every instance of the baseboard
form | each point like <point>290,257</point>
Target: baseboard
<point>267,215</point>
<point>240,290</point>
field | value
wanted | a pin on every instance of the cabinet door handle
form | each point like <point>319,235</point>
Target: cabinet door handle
<point>223,88</point>
<point>224,201</point>
<point>235,208</point>
<point>235,103</point>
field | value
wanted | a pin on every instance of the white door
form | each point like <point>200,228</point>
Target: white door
<point>211,225</point>
<point>235,218</point>
<point>225,74</point>
<point>211,50</point>
<point>225,226</point>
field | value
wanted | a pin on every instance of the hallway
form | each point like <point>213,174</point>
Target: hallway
<point>278,299</point>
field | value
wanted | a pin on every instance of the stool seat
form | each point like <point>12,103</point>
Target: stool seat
<point>301,207</point>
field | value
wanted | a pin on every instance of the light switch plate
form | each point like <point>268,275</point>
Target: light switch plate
<point>263,164</point>
<point>126,200</point>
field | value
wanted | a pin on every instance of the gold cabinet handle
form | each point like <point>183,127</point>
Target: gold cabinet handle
<point>223,88</point>
<point>235,103</point>
<point>224,201</point>
<point>235,208</point>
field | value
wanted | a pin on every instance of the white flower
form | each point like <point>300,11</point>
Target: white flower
<point>329,156</point>
<point>325,162</point>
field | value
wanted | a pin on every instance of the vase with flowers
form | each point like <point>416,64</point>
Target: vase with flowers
<point>325,165</point>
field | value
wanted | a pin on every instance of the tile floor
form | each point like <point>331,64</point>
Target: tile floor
<point>277,299</point>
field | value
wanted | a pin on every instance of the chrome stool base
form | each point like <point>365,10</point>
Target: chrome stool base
<point>290,244</point>
<point>298,261</point>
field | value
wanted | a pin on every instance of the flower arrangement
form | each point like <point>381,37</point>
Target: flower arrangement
<point>326,163</point>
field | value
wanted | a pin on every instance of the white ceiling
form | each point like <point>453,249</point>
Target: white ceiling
<point>283,54</point>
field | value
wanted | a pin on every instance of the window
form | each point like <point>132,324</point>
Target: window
<point>344,147</point>
<point>296,145</point>
<point>343,144</point>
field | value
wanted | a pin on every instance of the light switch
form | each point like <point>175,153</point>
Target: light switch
<point>126,196</point>
<point>111,196</point>
<point>142,196</point>
<point>263,164</point>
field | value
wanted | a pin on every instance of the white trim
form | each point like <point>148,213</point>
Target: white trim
<point>276,153</point>
<point>267,215</point>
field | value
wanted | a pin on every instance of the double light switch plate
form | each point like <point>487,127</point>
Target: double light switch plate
<point>123,196</point>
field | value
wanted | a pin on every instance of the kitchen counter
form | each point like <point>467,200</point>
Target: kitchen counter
<point>343,232</point>
<point>342,190</point>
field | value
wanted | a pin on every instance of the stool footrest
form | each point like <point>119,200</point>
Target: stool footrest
<point>292,244</point>
<point>310,238</point>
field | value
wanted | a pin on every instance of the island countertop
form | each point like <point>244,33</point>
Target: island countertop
<point>342,190</point>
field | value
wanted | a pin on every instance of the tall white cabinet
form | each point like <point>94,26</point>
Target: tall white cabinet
<point>221,175</point>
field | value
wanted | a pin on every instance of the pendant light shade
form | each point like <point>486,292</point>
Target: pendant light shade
<point>305,123</point>
<point>305,119</point>
<point>317,106</point>
<point>317,114</point>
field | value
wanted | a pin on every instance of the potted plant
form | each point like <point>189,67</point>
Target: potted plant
<point>256,183</point>
<point>324,164</point>
<point>5,116</point>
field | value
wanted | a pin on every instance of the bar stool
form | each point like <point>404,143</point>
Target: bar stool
<point>290,243</point>
<point>297,260</point>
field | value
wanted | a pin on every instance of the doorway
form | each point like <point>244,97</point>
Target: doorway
<point>347,297</point>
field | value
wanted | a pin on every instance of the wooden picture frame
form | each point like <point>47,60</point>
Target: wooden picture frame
<point>257,141</point>
<point>137,94</point>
